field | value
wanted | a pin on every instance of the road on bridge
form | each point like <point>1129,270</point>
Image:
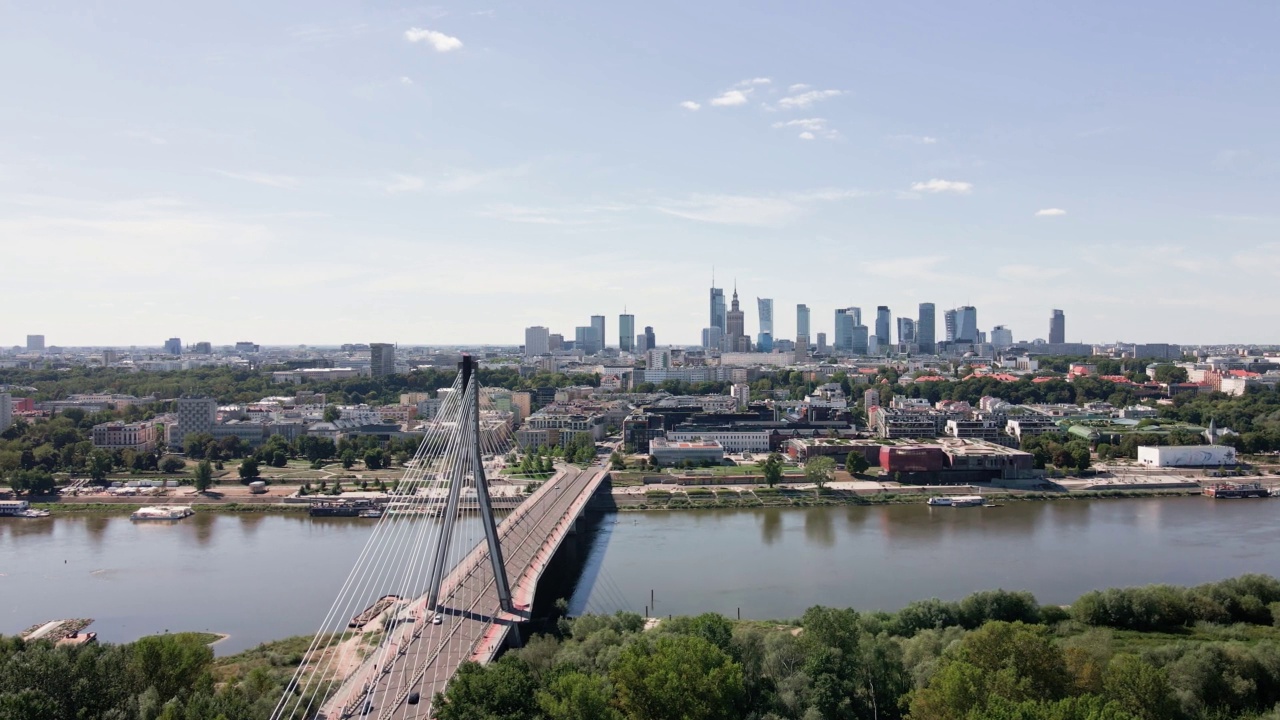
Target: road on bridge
<point>423,657</point>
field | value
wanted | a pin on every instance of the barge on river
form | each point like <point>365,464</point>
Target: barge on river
<point>1231,491</point>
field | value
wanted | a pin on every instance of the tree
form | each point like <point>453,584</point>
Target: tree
<point>172,464</point>
<point>1166,373</point>
<point>575,695</point>
<point>348,459</point>
<point>249,469</point>
<point>616,462</point>
<point>500,690</point>
<point>856,463</point>
<point>332,414</point>
<point>204,476</point>
<point>819,471</point>
<point>99,464</point>
<point>32,482</point>
<point>1139,688</point>
<point>772,468</point>
<point>677,677</point>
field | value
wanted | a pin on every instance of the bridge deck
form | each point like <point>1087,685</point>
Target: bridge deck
<point>424,656</point>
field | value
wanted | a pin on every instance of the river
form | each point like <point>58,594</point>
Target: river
<point>262,577</point>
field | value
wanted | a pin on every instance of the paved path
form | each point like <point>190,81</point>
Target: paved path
<point>425,656</point>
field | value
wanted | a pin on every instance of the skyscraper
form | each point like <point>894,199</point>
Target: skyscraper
<point>906,331</point>
<point>173,346</point>
<point>802,324</point>
<point>822,343</point>
<point>35,343</point>
<point>735,330</point>
<point>883,319</point>
<point>650,340</point>
<point>949,318</point>
<point>382,359</point>
<point>1001,336</point>
<point>712,338</point>
<point>718,319</point>
<point>537,341</point>
<point>586,339</point>
<point>925,336</point>
<point>967,324</point>
<point>626,332</point>
<point>861,340</point>
<point>845,323</point>
<point>1058,327</point>
<point>766,314</point>
<point>597,322</point>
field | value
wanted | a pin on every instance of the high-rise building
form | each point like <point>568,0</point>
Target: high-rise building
<point>883,319</point>
<point>195,415</point>
<point>846,321</point>
<point>203,348</point>
<point>1001,336</point>
<point>587,339</point>
<point>949,318</point>
<point>802,324</point>
<point>736,339</point>
<point>173,346</point>
<point>597,322</point>
<point>712,338</point>
<point>650,340</point>
<point>626,332</point>
<point>822,343</point>
<point>1058,327</point>
<point>967,324</point>
<point>907,331</point>
<point>657,358</point>
<point>873,345</point>
<point>925,336</point>
<point>718,315</point>
<point>35,343</point>
<point>766,314</point>
<point>555,342</point>
<point>6,411</point>
<point>537,341</point>
<point>742,393</point>
<point>861,340</point>
<point>382,359</point>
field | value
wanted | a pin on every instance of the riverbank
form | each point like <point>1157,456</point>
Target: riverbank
<point>121,508</point>
<point>708,499</point>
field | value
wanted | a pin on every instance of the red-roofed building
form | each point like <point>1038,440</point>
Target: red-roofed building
<point>1044,379</point>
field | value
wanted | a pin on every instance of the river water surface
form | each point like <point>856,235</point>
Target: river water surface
<point>264,577</point>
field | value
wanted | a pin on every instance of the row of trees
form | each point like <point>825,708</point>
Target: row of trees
<point>994,655</point>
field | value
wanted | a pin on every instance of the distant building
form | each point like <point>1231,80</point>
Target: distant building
<point>906,331</point>
<point>587,339</point>
<point>883,318</point>
<point>718,315</point>
<point>245,346</point>
<point>846,320</point>
<point>382,359</point>
<point>626,332</point>
<point>677,452</point>
<point>822,343</point>
<point>537,341</point>
<point>173,346</point>
<point>736,339</point>
<point>35,343</point>
<point>555,342</point>
<point>861,340</point>
<point>1058,327</point>
<point>802,325</point>
<point>1158,351</point>
<point>766,315</point>
<point>949,318</point>
<point>742,393</point>
<point>6,411</point>
<point>138,436</point>
<point>967,324</point>
<point>203,348</point>
<point>712,338</point>
<point>1001,336</point>
<point>925,333</point>
<point>658,359</point>
<point>597,324</point>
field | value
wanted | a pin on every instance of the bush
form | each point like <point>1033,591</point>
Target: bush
<point>171,465</point>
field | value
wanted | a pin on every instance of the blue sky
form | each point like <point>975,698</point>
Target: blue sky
<point>324,172</point>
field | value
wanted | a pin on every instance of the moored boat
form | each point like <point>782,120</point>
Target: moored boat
<point>967,501</point>
<point>939,500</point>
<point>163,512</point>
<point>1231,491</point>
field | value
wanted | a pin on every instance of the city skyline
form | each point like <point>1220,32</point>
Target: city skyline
<point>167,192</point>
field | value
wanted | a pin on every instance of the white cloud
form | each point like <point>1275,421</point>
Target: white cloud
<point>918,139</point>
<point>939,186</point>
<point>437,40</point>
<point>811,127</point>
<point>754,81</point>
<point>405,183</point>
<point>730,98</point>
<point>406,80</point>
<point>806,99</point>
<point>806,135</point>
<point>690,105</point>
<point>257,178</point>
<point>797,88</point>
<point>763,210</point>
<point>1050,212</point>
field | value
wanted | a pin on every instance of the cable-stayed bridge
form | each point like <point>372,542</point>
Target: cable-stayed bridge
<point>440,581</point>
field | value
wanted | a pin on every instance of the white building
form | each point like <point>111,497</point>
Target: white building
<point>1186,455</point>
<point>742,393</point>
<point>537,341</point>
<point>670,452</point>
<point>735,441</point>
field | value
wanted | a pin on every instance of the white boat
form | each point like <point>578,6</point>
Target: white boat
<point>967,500</point>
<point>370,513</point>
<point>163,512</point>
<point>941,500</point>
<point>32,513</point>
